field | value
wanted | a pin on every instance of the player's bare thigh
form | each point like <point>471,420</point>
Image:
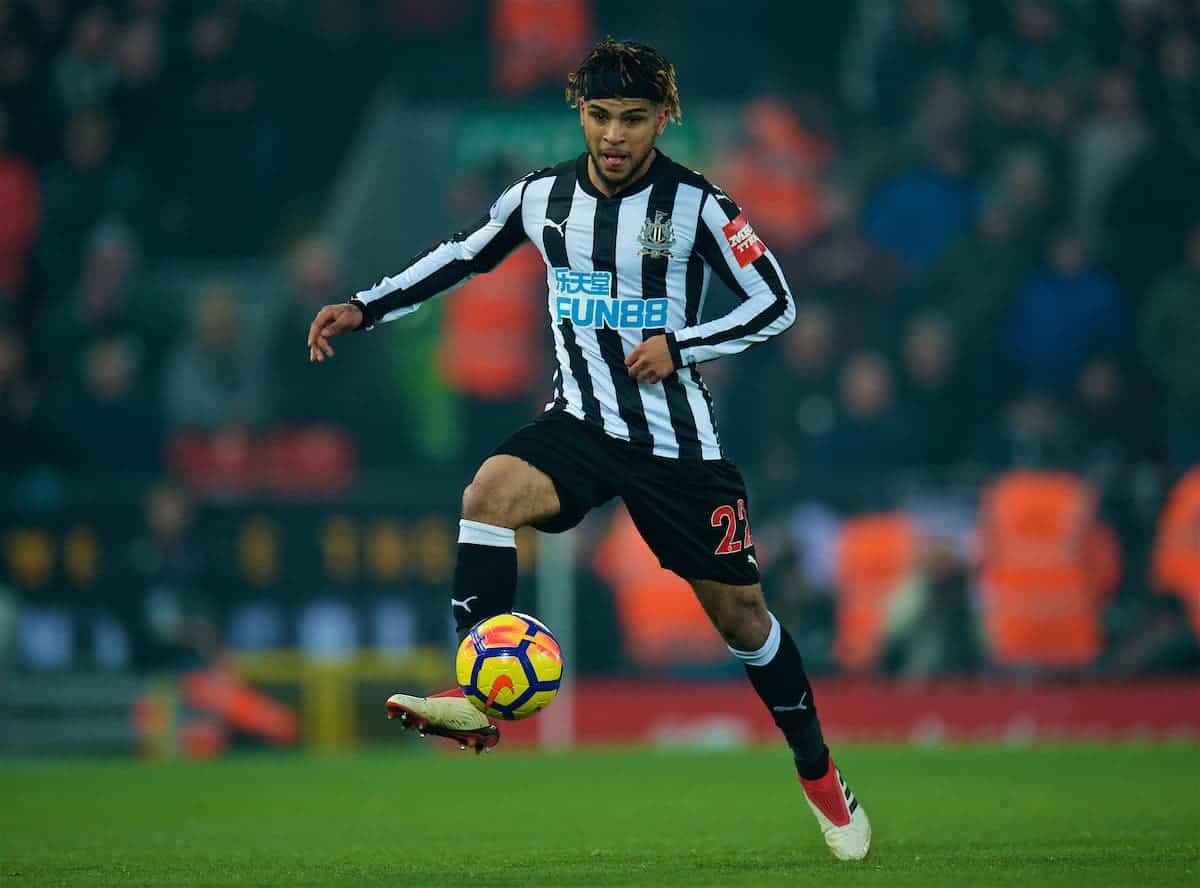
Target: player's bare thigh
<point>509,492</point>
<point>739,612</point>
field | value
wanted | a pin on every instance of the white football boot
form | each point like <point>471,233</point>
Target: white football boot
<point>842,819</point>
<point>450,716</point>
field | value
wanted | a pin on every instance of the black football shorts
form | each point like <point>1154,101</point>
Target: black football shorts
<point>694,514</point>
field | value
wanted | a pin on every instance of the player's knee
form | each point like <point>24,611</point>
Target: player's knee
<point>482,501</point>
<point>745,629</point>
<point>740,615</point>
<point>490,497</point>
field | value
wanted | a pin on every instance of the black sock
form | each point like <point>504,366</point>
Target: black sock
<point>777,673</point>
<point>485,575</point>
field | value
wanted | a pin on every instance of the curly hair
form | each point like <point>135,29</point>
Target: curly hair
<point>623,69</point>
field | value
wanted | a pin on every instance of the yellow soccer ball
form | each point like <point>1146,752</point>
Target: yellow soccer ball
<point>509,666</point>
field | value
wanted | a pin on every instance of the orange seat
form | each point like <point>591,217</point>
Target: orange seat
<point>875,553</point>
<point>492,330</point>
<point>662,623</point>
<point>1175,560</point>
<point>1046,567</point>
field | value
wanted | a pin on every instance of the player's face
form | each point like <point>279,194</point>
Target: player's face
<point>620,136</point>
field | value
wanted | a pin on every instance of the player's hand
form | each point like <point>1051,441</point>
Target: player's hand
<point>331,321</point>
<point>650,361</point>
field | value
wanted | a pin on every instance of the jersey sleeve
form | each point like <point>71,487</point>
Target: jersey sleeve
<point>727,243</point>
<point>475,250</point>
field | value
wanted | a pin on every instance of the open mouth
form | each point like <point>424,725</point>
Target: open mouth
<point>613,160</point>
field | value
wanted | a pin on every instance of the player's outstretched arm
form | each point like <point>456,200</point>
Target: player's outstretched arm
<point>475,250</point>
<point>331,320</point>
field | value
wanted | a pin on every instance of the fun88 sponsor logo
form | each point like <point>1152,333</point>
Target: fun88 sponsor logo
<point>585,299</point>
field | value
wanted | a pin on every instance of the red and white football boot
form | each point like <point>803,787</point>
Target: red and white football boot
<point>842,819</point>
<point>447,714</point>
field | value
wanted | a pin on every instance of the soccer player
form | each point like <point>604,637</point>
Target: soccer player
<point>630,239</point>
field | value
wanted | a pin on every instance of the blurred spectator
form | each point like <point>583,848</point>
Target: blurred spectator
<point>23,93</point>
<point>785,430</point>
<point>1022,179</point>
<point>1030,75</point>
<point>796,551</point>
<point>84,74</point>
<point>314,279</point>
<point>931,630</point>
<point>165,608</point>
<point>304,393</point>
<point>1032,431</point>
<point>973,280</point>
<point>872,431</point>
<point>1173,90</point>
<point>106,417</point>
<point>841,267</point>
<point>927,204</point>
<point>1126,31</point>
<point>1152,636</point>
<point>108,299</point>
<point>146,113</point>
<point>1149,213</point>
<point>929,38</point>
<point>916,214</point>
<point>24,437</point>
<point>1037,49</point>
<point>213,376</point>
<point>938,396</point>
<point>9,621</point>
<point>1065,312</point>
<point>20,207</point>
<point>1106,142</point>
<point>1116,430</point>
<point>228,161</point>
<point>1169,336</point>
<point>88,187</point>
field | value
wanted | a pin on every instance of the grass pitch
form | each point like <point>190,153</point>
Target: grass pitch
<point>1067,815</point>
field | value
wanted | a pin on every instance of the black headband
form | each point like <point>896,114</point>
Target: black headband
<point>605,82</point>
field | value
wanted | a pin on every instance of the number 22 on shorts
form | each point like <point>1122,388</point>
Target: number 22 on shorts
<point>728,517</point>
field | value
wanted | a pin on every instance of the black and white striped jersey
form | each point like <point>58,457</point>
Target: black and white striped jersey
<point>620,270</point>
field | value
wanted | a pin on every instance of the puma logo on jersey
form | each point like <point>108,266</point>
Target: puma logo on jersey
<point>465,604</point>
<point>560,227</point>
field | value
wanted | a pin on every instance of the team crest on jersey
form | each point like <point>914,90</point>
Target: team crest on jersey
<point>657,237</point>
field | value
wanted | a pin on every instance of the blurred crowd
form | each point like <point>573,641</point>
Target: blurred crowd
<point>999,255</point>
<point>994,242</point>
<point>130,132</point>
<point>986,210</point>
<point>989,224</point>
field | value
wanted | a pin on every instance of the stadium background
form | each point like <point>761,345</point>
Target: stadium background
<point>986,211</point>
